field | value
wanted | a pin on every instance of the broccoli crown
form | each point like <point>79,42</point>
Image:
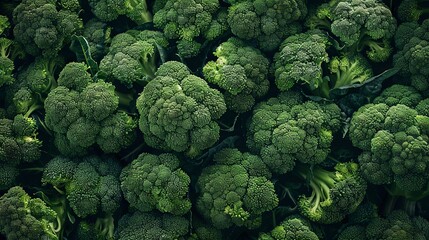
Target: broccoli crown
<point>185,20</point>
<point>394,140</point>
<point>109,10</point>
<point>397,225</point>
<point>286,129</point>
<point>335,194</point>
<point>399,94</point>
<point>18,141</point>
<point>51,28</point>
<point>351,20</point>
<point>412,10</point>
<point>268,22</point>
<point>241,71</point>
<point>151,226</point>
<point>97,33</point>
<point>156,182</point>
<point>178,111</point>
<point>412,55</point>
<point>294,227</point>
<point>91,184</point>
<point>83,113</point>
<point>236,190</point>
<point>132,57</point>
<point>24,217</point>
<point>299,60</point>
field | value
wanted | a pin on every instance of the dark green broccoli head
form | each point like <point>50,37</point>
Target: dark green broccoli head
<point>294,227</point>
<point>74,76</point>
<point>6,63</point>
<point>91,184</point>
<point>399,94</point>
<point>24,217</point>
<point>234,191</point>
<point>286,129</point>
<point>178,111</point>
<point>97,33</point>
<point>412,56</point>
<point>267,22</point>
<point>241,71</point>
<point>335,194</point>
<point>62,109</point>
<point>98,100</point>
<point>156,182</point>
<point>151,226</point>
<point>299,60</point>
<point>50,26</point>
<point>412,10</point>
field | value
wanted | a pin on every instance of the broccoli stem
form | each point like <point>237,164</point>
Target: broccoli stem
<point>32,109</point>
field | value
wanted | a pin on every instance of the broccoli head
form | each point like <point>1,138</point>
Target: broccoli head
<point>412,10</point>
<point>287,129</point>
<point>156,182</point>
<point>334,194</point>
<point>267,22</point>
<point>291,228</point>
<point>109,10</point>
<point>91,184</point>
<point>236,190</point>
<point>24,217</point>
<point>178,111</point>
<point>241,71</point>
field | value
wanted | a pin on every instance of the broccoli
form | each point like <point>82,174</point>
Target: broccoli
<point>187,20</point>
<point>133,57</point>
<point>51,27</point>
<point>241,71</point>
<point>293,227</point>
<point>412,56</point>
<point>236,190</point>
<point>6,63</point>
<point>151,226</point>
<point>178,111</point>
<point>412,10</point>
<point>98,35</point>
<point>156,182</point>
<point>394,143</point>
<point>285,130</point>
<point>91,184</point>
<point>334,194</point>
<point>267,22</point>
<point>347,70</point>
<point>82,113</point>
<point>101,229</point>
<point>24,217</point>
<point>109,10</point>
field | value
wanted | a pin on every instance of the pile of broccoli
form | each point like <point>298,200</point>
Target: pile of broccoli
<point>214,119</point>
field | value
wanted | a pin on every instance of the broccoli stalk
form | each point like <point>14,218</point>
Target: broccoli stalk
<point>334,193</point>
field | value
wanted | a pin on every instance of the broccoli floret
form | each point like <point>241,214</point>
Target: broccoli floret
<point>412,10</point>
<point>156,182</point>
<point>101,229</point>
<point>6,63</point>
<point>300,59</point>
<point>352,233</point>
<point>133,57</point>
<point>286,129</point>
<point>399,94</point>
<point>267,22</point>
<point>91,184</point>
<point>231,193</point>
<point>51,28</point>
<point>178,111</point>
<point>109,10</point>
<point>98,35</point>
<point>98,100</point>
<point>413,51</point>
<point>293,227</point>
<point>395,144</point>
<point>241,71</point>
<point>187,20</point>
<point>334,194</point>
<point>24,217</point>
<point>151,226</point>
<point>74,76</point>
<point>117,132</point>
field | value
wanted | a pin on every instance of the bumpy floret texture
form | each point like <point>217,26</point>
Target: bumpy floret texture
<point>178,111</point>
<point>299,60</point>
<point>24,217</point>
<point>241,71</point>
<point>151,226</point>
<point>156,182</point>
<point>83,113</point>
<point>294,227</point>
<point>91,184</point>
<point>236,190</point>
<point>267,22</point>
<point>335,194</point>
<point>132,57</point>
<point>42,28</point>
<point>413,53</point>
<point>286,129</point>
<point>394,140</point>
